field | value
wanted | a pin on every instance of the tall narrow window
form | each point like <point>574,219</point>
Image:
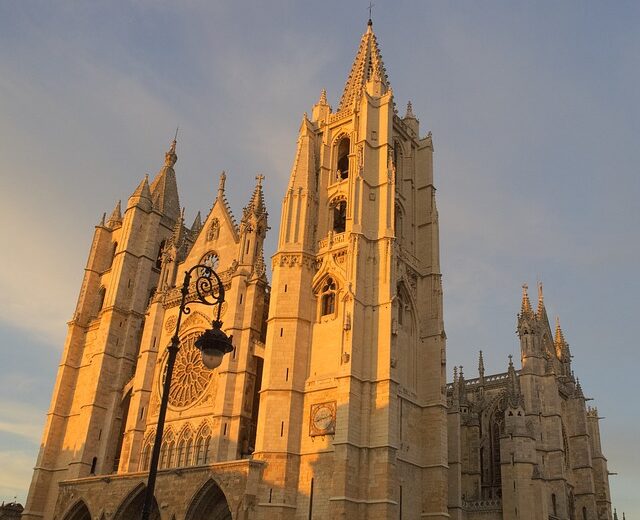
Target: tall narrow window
<point>113,253</point>
<point>554,504</point>
<point>328,302</point>
<point>159,255</point>
<point>101,294</point>
<point>584,513</point>
<point>343,158</point>
<point>340,216</point>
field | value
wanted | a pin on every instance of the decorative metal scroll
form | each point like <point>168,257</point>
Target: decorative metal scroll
<point>209,288</point>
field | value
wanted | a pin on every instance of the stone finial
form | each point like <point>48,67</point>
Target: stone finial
<point>481,367</point>
<point>579,392</point>
<point>615,514</point>
<point>223,179</point>
<point>170,158</point>
<point>101,223</point>
<point>323,97</point>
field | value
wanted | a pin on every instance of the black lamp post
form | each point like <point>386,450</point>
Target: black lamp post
<point>213,343</point>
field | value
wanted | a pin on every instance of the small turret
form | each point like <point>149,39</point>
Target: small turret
<point>253,229</point>
<point>321,109</point>
<point>411,120</point>
<point>115,220</point>
<point>141,197</point>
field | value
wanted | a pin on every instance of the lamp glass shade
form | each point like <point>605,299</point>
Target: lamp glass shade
<point>212,358</point>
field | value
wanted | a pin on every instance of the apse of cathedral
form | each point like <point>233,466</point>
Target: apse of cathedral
<point>334,401</point>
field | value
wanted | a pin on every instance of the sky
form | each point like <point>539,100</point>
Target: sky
<point>535,119</point>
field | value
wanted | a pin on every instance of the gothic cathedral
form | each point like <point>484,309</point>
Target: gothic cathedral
<point>334,401</point>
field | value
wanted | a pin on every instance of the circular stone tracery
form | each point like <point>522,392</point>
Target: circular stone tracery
<point>190,377</point>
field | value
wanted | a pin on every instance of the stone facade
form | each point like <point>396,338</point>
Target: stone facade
<point>523,443</point>
<point>334,403</point>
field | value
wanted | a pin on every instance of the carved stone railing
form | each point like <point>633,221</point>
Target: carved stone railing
<point>482,505</point>
<point>332,239</point>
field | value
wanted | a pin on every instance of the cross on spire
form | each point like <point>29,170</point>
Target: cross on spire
<point>260,178</point>
<point>371,6</point>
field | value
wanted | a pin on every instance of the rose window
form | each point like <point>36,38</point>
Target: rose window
<point>190,377</point>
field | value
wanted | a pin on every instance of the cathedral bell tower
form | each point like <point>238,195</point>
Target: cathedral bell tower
<point>353,414</point>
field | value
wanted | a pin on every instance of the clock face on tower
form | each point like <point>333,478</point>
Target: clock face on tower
<point>323,419</point>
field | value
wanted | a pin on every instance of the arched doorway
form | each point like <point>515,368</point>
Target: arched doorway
<point>79,511</point>
<point>131,506</point>
<point>209,504</point>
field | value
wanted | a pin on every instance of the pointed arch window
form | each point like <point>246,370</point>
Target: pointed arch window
<point>202,446</point>
<point>342,168</point>
<point>339,211</point>
<point>328,298</point>
<point>188,453</point>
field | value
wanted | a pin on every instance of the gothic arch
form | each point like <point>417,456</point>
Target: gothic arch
<point>79,511</point>
<point>185,446</point>
<point>202,444</point>
<point>209,503</point>
<point>131,506</point>
<point>327,289</point>
<point>196,319</point>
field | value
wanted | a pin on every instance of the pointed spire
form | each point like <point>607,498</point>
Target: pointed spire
<point>256,204</point>
<point>456,388</point>
<point>615,514</point>
<point>525,308</point>
<point>559,337</point>
<point>541,312</point>
<point>197,224</point>
<point>481,367</point>
<point>164,187</point>
<point>116,216</point>
<point>323,97</point>
<point>579,392</point>
<point>512,385</point>
<point>409,114</point>
<point>367,65</point>
<point>101,223</point>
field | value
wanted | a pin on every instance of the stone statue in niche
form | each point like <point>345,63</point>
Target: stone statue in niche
<point>214,230</point>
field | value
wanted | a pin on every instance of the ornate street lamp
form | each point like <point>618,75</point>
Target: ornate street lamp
<point>213,344</point>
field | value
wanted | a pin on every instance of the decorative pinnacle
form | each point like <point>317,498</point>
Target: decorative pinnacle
<point>259,178</point>
<point>409,113</point>
<point>559,339</point>
<point>323,97</point>
<point>526,304</point>
<point>223,178</point>
<point>481,366</point>
<point>510,361</point>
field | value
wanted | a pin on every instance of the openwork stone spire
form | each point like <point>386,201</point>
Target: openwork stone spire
<point>164,188</point>
<point>367,66</point>
<point>525,308</point>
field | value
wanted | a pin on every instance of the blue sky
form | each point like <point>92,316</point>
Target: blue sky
<point>535,116</point>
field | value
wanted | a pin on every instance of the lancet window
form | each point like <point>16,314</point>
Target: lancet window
<point>342,170</point>
<point>328,298</point>
<point>339,211</point>
<point>202,446</point>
